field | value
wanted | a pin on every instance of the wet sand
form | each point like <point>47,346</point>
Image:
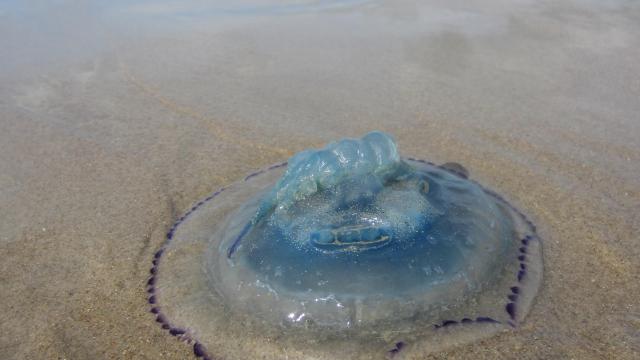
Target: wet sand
<point>114,120</point>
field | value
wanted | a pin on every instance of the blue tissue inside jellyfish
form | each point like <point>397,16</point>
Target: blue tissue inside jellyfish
<point>354,219</point>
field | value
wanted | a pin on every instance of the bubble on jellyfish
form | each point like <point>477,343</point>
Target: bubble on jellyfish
<point>348,252</point>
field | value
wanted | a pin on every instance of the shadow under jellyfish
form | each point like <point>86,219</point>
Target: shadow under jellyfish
<point>347,252</point>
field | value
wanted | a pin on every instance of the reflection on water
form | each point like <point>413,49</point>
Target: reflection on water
<point>243,7</point>
<point>317,65</point>
<point>40,33</point>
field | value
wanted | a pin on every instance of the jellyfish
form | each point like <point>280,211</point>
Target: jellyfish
<point>350,252</point>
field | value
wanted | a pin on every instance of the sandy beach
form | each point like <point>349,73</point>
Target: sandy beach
<point>115,119</point>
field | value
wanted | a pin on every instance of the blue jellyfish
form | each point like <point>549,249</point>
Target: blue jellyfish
<point>350,251</point>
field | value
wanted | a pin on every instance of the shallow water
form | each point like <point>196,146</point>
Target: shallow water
<point>116,118</point>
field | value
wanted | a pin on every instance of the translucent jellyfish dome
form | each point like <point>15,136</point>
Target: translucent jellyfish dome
<point>350,251</point>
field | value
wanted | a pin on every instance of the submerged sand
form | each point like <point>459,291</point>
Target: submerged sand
<point>115,119</point>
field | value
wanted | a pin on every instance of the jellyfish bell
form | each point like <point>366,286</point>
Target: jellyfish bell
<point>346,252</point>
